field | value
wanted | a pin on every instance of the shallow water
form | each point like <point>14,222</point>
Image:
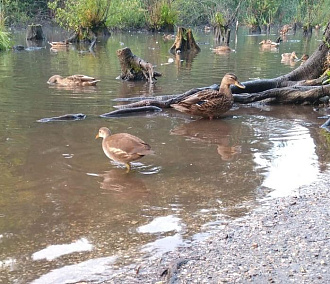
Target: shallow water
<point>67,213</point>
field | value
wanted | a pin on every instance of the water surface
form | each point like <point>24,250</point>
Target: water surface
<point>67,213</point>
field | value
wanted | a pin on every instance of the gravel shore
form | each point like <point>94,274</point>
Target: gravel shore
<point>286,240</point>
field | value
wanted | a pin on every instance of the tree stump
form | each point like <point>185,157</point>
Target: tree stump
<point>34,32</point>
<point>184,41</point>
<point>222,35</point>
<point>134,68</point>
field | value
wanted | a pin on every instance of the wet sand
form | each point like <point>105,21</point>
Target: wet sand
<point>285,240</point>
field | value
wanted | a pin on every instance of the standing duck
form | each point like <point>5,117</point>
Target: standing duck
<point>210,103</point>
<point>123,147</point>
<point>74,80</point>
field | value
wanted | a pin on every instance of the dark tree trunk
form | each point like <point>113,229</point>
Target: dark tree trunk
<point>255,29</point>
<point>222,35</point>
<point>184,41</point>
<point>135,68</point>
<point>34,32</point>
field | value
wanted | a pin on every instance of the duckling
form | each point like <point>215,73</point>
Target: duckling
<point>289,56</point>
<point>304,57</point>
<point>222,49</point>
<point>74,80</point>
<point>210,103</point>
<point>285,29</point>
<point>123,147</point>
<point>168,37</point>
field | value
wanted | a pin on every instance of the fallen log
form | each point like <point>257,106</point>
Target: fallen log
<point>131,111</point>
<point>164,101</point>
<point>65,117</point>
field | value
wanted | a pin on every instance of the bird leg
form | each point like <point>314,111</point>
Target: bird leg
<point>128,166</point>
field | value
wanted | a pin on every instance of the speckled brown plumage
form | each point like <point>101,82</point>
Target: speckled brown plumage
<point>210,103</point>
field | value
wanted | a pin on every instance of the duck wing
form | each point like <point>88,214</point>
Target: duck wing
<point>201,97</point>
<point>128,144</point>
<point>82,78</point>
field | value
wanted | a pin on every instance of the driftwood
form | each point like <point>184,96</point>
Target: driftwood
<point>131,111</point>
<point>65,117</point>
<point>184,41</point>
<point>135,68</point>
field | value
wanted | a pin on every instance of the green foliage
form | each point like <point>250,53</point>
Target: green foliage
<point>161,15</point>
<point>77,15</point>
<point>4,36</point>
<point>25,11</point>
<point>124,14</point>
<point>260,12</point>
<point>4,40</point>
<point>218,19</point>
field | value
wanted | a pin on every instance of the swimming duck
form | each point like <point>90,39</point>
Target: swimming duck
<point>222,49</point>
<point>58,44</point>
<point>168,37</point>
<point>74,80</point>
<point>210,103</point>
<point>268,43</point>
<point>289,56</point>
<point>123,147</point>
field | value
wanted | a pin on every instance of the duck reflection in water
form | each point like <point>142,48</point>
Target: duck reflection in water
<point>126,186</point>
<point>217,132</point>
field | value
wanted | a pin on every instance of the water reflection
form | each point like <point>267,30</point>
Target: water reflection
<point>55,251</point>
<point>203,171</point>
<point>219,132</point>
<point>126,185</point>
<point>185,59</point>
<point>291,162</point>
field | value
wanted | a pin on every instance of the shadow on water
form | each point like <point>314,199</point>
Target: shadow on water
<point>66,212</point>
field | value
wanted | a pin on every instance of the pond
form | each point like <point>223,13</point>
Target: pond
<point>68,213</point>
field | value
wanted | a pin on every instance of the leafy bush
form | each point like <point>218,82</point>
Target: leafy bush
<point>4,36</point>
<point>77,15</point>
<point>161,15</point>
<point>125,14</point>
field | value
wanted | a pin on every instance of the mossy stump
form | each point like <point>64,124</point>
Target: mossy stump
<point>34,32</point>
<point>134,68</point>
<point>184,41</point>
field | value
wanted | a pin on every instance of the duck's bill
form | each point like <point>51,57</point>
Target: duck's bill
<point>238,84</point>
<point>97,136</point>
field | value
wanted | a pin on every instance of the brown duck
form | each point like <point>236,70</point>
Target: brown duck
<point>74,80</point>
<point>222,49</point>
<point>123,147</point>
<point>289,56</point>
<point>211,103</point>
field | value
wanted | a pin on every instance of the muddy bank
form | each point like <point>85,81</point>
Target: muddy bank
<point>285,240</point>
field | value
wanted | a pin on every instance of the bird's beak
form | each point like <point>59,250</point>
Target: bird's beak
<point>97,136</point>
<point>238,84</point>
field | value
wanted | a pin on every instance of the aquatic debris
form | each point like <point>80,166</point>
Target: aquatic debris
<point>326,125</point>
<point>131,111</point>
<point>65,117</point>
